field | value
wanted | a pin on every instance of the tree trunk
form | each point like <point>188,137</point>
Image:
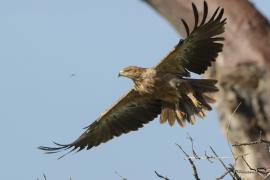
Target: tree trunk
<point>243,73</point>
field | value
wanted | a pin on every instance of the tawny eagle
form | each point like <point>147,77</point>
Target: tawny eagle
<point>164,89</point>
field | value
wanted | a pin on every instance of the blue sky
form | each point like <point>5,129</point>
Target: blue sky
<point>42,43</point>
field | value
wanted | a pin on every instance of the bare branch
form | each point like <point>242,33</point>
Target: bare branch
<point>161,176</point>
<point>208,158</point>
<point>228,129</point>
<point>224,175</point>
<point>195,173</point>
<point>259,141</point>
<point>260,171</point>
<point>121,177</point>
<point>233,175</point>
<point>192,146</point>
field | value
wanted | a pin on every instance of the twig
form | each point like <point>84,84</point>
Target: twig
<point>44,176</point>
<point>259,141</point>
<point>235,175</point>
<point>192,146</point>
<point>228,127</point>
<point>209,158</point>
<point>235,172</point>
<point>160,176</point>
<point>223,175</point>
<point>224,165</point>
<point>263,172</point>
<point>123,178</point>
<point>260,171</point>
<point>252,143</point>
<point>195,173</point>
<point>267,175</point>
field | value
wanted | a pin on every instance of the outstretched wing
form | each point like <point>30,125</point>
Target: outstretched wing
<point>200,48</point>
<point>128,114</point>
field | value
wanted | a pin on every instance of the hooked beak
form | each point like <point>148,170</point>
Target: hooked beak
<point>120,73</point>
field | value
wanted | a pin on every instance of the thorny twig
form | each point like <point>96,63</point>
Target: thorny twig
<point>260,171</point>
<point>263,172</point>
<point>224,174</point>
<point>233,174</point>
<point>195,173</point>
<point>161,176</point>
<point>259,141</point>
<point>192,146</point>
<point>206,157</point>
<point>230,169</point>
<point>197,157</point>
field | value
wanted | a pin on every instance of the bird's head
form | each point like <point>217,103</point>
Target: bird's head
<point>131,72</point>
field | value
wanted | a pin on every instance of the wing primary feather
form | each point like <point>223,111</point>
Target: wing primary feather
<point>205,12</point>
<point>223,21</point>
<point>201,46</point>
<point>196,15</point>
<point>50,150</point>
<point>186,27</point>
<point>80,148</point>
<point>67,153</point>
<point>214,15</point>
<point>220,15</point>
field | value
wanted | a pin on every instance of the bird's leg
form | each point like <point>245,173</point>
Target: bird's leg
<point>194,100</point>
<point>190,93</point>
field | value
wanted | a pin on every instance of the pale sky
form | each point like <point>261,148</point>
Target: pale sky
<point>58,72</point>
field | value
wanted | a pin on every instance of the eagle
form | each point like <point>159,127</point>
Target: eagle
<point>166,89</point>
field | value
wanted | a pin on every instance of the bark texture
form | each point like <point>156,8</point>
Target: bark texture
<point>243,71</point>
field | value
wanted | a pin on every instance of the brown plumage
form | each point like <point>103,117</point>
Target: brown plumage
<point>165,89</point>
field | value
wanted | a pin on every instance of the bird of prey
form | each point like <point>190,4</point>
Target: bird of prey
<point>165,89</point>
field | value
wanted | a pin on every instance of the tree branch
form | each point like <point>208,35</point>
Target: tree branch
<point>160,176</point>
<point>194,169</point>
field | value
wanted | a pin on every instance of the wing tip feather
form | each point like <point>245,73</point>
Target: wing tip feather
<point>186,27</point>
<point>205,12</point>
<point>196,15</point>
<point>58,148</point>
